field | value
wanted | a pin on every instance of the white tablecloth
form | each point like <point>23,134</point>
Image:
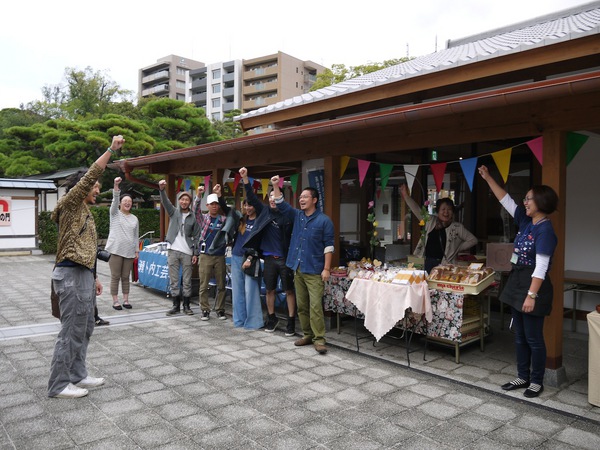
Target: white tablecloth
<point>384,304</point>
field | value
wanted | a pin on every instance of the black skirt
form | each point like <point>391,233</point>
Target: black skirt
<point>515,291</point>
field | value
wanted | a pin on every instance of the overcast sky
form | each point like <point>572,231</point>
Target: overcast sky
<point>40,38</point>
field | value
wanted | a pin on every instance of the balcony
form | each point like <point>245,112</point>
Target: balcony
<point>162,75</point>
<point>270,86</point>
<point>199,83</point>
<point>228,106</point>
<point>259,72</point>
<point>228,77</point>
<point>156,90</point>
<point>199,99</point>
<point>229,92</point>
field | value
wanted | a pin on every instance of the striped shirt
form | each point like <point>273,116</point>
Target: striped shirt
<point>124,232</point>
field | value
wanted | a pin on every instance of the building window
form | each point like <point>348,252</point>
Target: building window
<point>180,84</point>
<point>181,71</point>
<point>296,84</point>
<point>216,116</point>
<point>216,88</point>
<point>216,74</point>
<point>216,102</point>
<point>296,70</point>
<point>181,97</point>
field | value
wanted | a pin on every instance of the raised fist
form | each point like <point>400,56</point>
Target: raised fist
<point>275,180</point>
<point>162,184</point>
<point>118,180</point>
<point>243,172</point>
<point>200,191</point>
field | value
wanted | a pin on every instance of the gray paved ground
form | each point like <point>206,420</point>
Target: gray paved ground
<point>183,383</point>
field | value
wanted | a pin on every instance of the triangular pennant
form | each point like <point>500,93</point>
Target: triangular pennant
<point>438,171</point>
<point>179,182</point>
<point>255,185</point>
<point>294,182</point>
<point>363,167</point>
<point>537,148</point>
<point>574,143</point>
<point>468,167</point>
<point>281,180</point>
<point>187,184</point>
<point>502,160</point>
<point>206,184</point>
<point>230,184</point>
<point>265,186</point>
<point>226,174</point>
<point>236,181</point>
<point>410,173</point>
<point>384,173</point>
<point>344,160</point>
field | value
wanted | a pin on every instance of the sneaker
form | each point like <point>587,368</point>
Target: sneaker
<point>290,329</point>
<point>272,323</point>
<point>71,391</point>
<point>100,322</point>
<point>221,315</point>
<point>90,382</point>
<point>205,315</point>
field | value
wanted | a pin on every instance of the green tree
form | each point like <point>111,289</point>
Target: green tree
<point>229,128</point>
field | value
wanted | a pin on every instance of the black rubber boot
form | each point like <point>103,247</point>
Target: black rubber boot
<point>186,306</point>
<point>175,309</point>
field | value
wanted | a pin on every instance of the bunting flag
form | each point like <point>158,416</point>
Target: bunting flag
<point>255,185</point>
<point>344,160</point>
<point>363,167</point>
<point>265,186</point>
<point>384,172</point>
<point>206,183</point>
<point>281,180</point>
<point>236,181</point>
<point>378,193</point>
<point>468,167</point>
<point>187,184</point>
<point>294,182</point>
<point>574,143</point>
<point>438,171</point>
<point>410,172</point>
<point>537,148</point>
<point>502,160</point>
<point>226,174</point>
<point>230,184</point>
<point>179,182</point>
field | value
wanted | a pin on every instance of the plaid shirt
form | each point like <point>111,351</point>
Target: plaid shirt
<point>204,220</point>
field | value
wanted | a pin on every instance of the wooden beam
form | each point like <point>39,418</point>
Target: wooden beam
<point>554,174</point>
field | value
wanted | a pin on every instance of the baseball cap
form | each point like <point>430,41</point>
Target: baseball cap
<point>212,198</point>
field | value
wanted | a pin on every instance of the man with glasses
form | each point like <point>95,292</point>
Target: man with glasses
<point>309,256</point>
<point>182,236</point>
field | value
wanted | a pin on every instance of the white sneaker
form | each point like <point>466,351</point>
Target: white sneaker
<point>72,391</point>
<point>90,382</point>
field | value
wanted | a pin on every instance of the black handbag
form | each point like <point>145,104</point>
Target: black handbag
<point>255,269</point>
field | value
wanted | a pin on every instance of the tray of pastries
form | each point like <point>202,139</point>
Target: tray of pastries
<point>471,279</point>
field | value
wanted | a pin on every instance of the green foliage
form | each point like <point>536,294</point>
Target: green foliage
<point>149,220</point>
<point>48,232</point>
<point>229,128</point>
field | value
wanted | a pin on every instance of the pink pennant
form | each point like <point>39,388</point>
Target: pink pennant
<point>363,167</point>
<point>438,171</point>
<point>281,179</point>
<point>236,181</point>
<point>537,148</point>
<point>206,183</point>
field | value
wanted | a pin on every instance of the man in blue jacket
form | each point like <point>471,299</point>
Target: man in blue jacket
<point>309,257</point>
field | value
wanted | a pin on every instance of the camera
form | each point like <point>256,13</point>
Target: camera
<point>203,247</point>
<point>103,255</point>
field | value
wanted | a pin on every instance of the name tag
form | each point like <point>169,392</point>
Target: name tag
<point>514,258</point>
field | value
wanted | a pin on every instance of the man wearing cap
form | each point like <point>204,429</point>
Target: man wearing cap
<point>182,235</point>
<point>212,251</point>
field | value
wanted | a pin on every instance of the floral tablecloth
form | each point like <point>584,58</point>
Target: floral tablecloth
<point>334,297</point>
<point>447,309</point>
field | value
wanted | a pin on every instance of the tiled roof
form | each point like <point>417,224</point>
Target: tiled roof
<point>10,183</point>
<point>551,29</point>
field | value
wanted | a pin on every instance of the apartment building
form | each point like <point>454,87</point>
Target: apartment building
<point>168,77</point>
<point>273,78</point>
<point>217,88</point>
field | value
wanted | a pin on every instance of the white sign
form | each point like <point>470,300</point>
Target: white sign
<point>5,209</point>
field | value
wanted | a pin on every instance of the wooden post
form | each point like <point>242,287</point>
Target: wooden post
<point>554,174</point>
<point>332,201</point>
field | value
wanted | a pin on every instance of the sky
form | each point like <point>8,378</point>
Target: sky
<point>39,39</point>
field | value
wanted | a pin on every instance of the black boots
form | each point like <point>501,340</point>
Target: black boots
<point>186,306</point>
<point>175,309</point>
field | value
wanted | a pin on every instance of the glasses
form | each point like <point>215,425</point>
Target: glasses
<point>527,199</point>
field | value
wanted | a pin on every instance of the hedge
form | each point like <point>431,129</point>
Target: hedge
<point>149,221</point>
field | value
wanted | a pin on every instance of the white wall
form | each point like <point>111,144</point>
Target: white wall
<point>22,218</point>
<point>582,240</point>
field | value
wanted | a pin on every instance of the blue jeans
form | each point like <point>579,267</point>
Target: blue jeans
<point>530,346</point>
<point>245,297</point>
